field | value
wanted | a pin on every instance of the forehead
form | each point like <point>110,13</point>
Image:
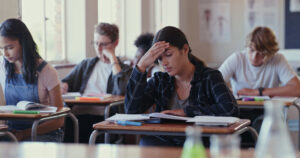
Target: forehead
<point>101,38</point>
<point>6,41</point>
<point>171,48</point>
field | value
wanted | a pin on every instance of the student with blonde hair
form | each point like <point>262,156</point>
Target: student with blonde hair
<point>259,70</point>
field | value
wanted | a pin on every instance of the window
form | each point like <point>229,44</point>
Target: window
<point>166,13</point>
<point>127,16</point>
<point>45,20</point>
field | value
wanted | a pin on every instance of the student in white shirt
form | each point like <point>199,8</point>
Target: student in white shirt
<point>104,73</point>
<point>260,70</point>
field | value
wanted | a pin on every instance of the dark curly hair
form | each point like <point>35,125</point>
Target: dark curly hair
<point>144,41</point>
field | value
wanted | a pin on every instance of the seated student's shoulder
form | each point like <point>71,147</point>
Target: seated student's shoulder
<point>278,57</point>
<point>207,71</point>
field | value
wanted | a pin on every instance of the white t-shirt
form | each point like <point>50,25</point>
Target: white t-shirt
<point>242,74</point>
<point>47,80</point>
<point>98,80</point>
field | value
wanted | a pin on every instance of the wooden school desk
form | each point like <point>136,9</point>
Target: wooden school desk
<point>260,105</point>
<point>38,118</point>
<point>60,150</point>
<point>170,129</point>
<point>4,132</point>
<point>107,102</point>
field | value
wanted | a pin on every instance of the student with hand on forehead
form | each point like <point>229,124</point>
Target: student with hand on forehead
<point>186,88</point>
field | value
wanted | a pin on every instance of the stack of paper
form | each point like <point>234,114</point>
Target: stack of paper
<point>284,99</point>
<point>214,120</point>
<point>71,95</point>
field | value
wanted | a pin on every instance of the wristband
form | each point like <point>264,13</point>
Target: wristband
<point>260,90</point>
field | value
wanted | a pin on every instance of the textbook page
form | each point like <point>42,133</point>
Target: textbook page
<point>214,120</point>
<point>71,95</point>
<point>284,99</point>
<point>128,117</point>
<point>167,116</point>
<point>29,106</point>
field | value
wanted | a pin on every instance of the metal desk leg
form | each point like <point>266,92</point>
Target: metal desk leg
<point>285,113</point>
<point>34,130</point>
<point>106,138</point>
<point>253,133</point>
<point>10,135</point>
<point>107,108</point>
<point>297,107</point>
<point>93,137</point>
<point>76,127</point>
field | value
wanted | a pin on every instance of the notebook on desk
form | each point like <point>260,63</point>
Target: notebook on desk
<point>214,120</point>
<point>198,120</point>
<point>133,117</point>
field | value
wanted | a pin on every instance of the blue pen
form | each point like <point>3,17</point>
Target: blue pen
<point>132,123</point>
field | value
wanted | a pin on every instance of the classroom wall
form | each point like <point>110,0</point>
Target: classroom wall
<point>214,54</point>
<point>8,9</point>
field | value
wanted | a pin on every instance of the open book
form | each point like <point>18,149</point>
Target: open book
<point>198,120</point>
<point>78,96</point>
<point>28,106</point>
<point>131,117</point>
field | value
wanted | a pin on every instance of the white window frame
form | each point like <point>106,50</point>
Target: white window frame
<point>63,59</point>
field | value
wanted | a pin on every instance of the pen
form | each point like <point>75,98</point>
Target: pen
<point>132,123</point>
<point>259,99</point>
<point>248,99</point>
<point>88,98</point>
<point>25,112</point>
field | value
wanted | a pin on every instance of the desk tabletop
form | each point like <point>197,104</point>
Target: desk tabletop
<point>104,101</point>
<point>257,103</point>
<point>54,150</point>
<point>172,127</point>
<point>32,116</point>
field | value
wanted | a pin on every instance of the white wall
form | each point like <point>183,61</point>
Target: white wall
<point>8,9</point>
<point>82,16</point>
<point>215,54</point>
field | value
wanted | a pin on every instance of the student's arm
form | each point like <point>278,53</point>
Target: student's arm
<point>120,80</point>
<point>287,76</point>
<point>48,126</point>
<point>177,112</point>
<point>64,87</point>
<point>140,94</point>
<point>292,88</point>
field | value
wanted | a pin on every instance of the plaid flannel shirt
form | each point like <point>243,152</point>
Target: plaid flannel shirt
<point>209,94</point>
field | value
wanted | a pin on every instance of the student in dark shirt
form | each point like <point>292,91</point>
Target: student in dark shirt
<point>143,44</point>
<point>186,88</point>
